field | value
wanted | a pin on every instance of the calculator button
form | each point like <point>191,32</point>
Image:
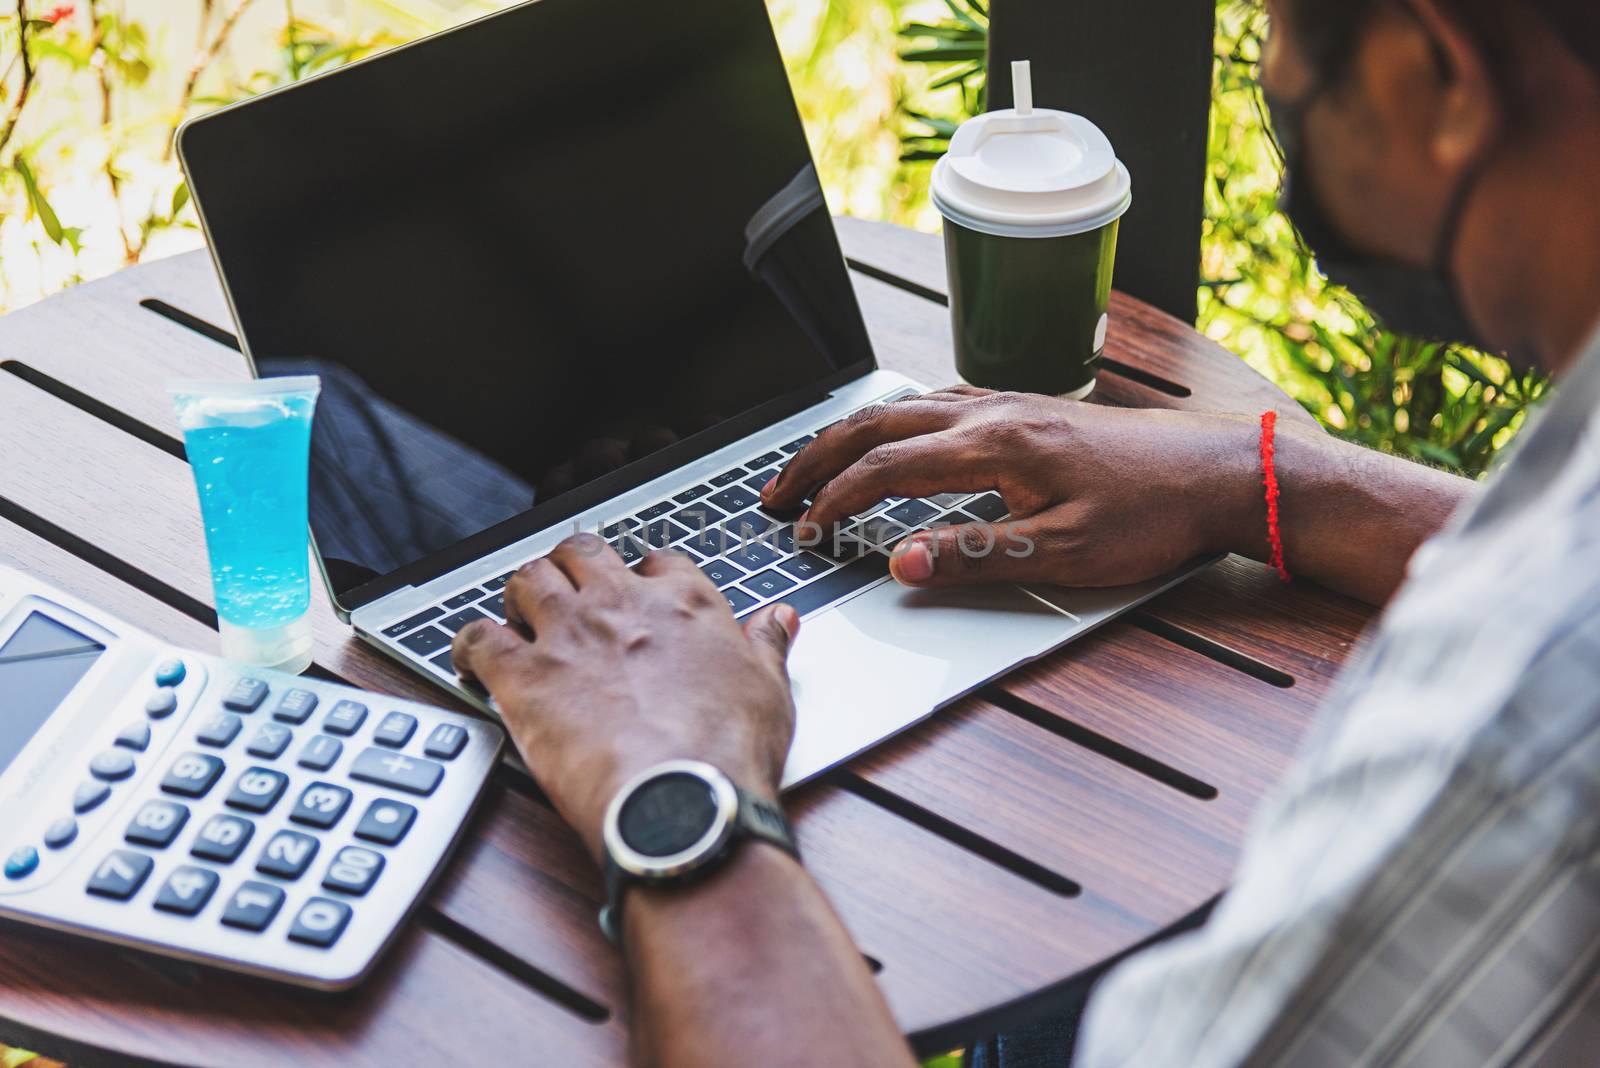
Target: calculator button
<point>321,805</point>
<point>246,695</point>
<point>296,707</point>
<point>135,736</point>
<point>22,862</point>
<point>320,753</point>
<point>223,838</point>
<point>187,890</point>
<point>120,875</point>
<point>157,823</point>
<point>192,775</point>
<point>170,672</point>
<point>288,854</point>
<point>161,704</point>
<point>353,871</point>
<point>446,741</point>
<point>345,718</point>
<point>270,740</point>
<point>111,765</point>
<point>402,773</point>
<point>395,730</point>
<point>253,906</point>
<point>386,822</point>
<point>320,922</point>
<point>257,790</point>
<point>88,795</point>
<point>60,834</point>
<point>222,729</point>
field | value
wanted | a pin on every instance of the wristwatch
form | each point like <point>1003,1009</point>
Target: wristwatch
<point>676,822</point>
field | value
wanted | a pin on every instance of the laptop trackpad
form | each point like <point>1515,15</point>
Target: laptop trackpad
<point>887,659</point>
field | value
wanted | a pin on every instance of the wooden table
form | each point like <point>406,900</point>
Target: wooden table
<point>1026,835</point>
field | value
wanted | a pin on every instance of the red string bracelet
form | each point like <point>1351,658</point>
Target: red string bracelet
<point>1269,425</point>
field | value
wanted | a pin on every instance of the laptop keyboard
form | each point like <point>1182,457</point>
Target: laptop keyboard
<point>755,557</point>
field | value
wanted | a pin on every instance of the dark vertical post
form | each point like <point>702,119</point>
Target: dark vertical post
<point>1141,71</point>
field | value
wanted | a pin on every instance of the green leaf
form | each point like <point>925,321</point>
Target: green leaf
<point>959,12</point>
<point>949,33</point>
<point>960,74</point>
<point>947,52</point>
<point>36,200</point>
<point>180,197</point>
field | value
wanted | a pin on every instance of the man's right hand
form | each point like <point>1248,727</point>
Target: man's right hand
<point>1106,496</point>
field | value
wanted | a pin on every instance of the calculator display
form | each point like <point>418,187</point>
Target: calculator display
<point>39,666</point>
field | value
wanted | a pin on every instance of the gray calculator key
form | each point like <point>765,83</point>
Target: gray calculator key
<point>88,796</point>
<point>257,790</point>
<point>287,855</point>
<point>320,753</point>
<point>220,730</point>
<point>135,736</point>
<point>353,871</point>
<point>120,875</point>
<point>112,765</point>
<point>61,833</point>
<point>395,730</point>
<point>295,706</point>
<point>345,717</point>
<point>187,890</point>
<point>253,906</point>
<point>386,822</point>
<point>270,740</point>
<point>446,741</point>
<point>320,922</point>
<point>161,704</point>
<point>321,805</point>
<point>246,695</point>
<point>400,772</point>
<point>156,823</point>
<point>192,775</point>
<point>223,838</point>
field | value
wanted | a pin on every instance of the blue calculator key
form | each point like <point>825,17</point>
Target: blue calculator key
<point>320,922</point>
<point>345,718</point>
<point>23,862</point>
<point>246,695</point>
<point>270,740</point>
<point>353,871</point>
<point>223,838</point>
<point>156,824</point>
<point>161,704</point>
<point>120,875</point>
<point>287,855</point>
<point>320,753</point>
<point>135,736</point>
<point>192,775</point>
<point>399,772</point>
<point>61,833</point>
<point>187,890</point>
<point>386,822</point>
<point>321,805</point>
<point>253,905</point>
<point>111,765</point>
<point>295,707</point>
<point>395,730</point>
<point>257,790</point>
<point>446,741</point>
<point>88,796</point>
<point>171,672</point>
<point>220,730</point>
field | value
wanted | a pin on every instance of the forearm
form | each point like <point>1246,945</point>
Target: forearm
<point>1350,517</point>
<point>751,967</point>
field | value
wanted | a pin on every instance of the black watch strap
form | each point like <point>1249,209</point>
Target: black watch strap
<point>756,819</point>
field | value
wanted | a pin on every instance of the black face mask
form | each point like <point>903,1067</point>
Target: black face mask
<point>1420,301</point>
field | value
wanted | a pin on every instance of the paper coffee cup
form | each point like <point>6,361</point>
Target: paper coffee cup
<point>1031,200</point>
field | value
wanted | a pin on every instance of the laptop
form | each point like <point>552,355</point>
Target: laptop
<point>569,267</point>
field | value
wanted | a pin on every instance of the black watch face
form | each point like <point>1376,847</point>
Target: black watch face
<point>667,815</point>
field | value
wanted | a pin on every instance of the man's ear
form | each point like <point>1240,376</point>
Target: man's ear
<point>1471,111</point>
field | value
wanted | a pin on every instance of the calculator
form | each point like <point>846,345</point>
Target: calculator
<point>174,802</point>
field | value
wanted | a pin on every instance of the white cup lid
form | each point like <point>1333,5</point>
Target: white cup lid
<point>1031,172</point>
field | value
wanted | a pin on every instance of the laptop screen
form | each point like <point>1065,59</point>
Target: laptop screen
<point>537,260</point>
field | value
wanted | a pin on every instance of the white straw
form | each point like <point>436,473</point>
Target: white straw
<point>1022,86</point>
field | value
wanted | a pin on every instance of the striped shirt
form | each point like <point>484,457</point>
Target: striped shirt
<point>1424,889</point>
